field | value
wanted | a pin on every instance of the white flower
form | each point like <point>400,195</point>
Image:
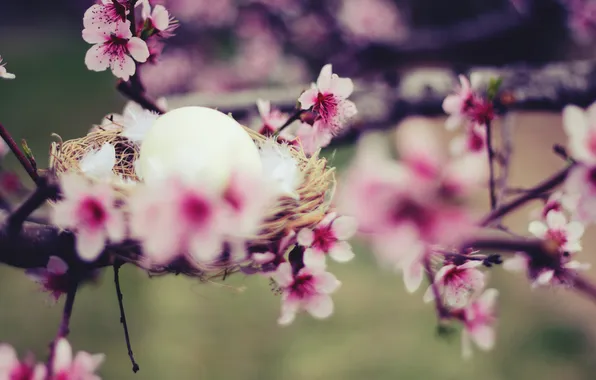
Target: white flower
<point>566,235</point>
<point>136,122</point>
<point>98,164</point>
<point>280,166</point>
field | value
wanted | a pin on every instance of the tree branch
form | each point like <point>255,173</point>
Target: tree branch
<point>64,328</point>
<point>117,265</point>
<point>19,154</point>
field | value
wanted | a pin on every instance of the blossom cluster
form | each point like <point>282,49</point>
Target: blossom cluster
<point>324,109</point>
<point>119,41</point>
<point>63,366</point>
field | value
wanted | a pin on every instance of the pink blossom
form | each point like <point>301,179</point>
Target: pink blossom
<point>328,99</point>
<point>309,289</point>
<point>116,48</point>
<point>271,119</point>
<point>3,73</point>
<point>580,128</point>
<point>174,217</point>
<point>457,283</point>
<point>52,278</point>
<point>479,318</point>
<point>13,369</point>
<point>329,237</point>
<point>580,193</point>
<point>472,141</point>
<point>555,272</point>
<point>581,19</point>
<point>457,105</point>
<point>372,21</point>
<point>88,210</point>
<point>106,14</point>
<point>82,367</point>
<point>313,137</point>
<point>159,18</point>
<point>557,230</point>
<point>204,12</point>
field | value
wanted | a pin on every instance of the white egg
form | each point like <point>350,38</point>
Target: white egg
<point>197,143</point>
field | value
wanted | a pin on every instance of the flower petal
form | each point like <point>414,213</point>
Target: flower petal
<point>90,244</point>
<point>305,237</point>
<point>283,275</point>
<point>62,355</point>
<point>484,337</point>
<point>344,227</point>
<point>320,306</point>
<point>96,58</point>
<point>324,79</point>
<point>138,48</point>
<point>341,252</point>
<point>538,229</point>
<point>56,265</point>
<point>326,283</point>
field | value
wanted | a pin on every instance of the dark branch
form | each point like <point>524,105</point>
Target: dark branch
<point>491,167</point>
<point>533,193</point>
<point>64,328</point>
<point>44,191</point>
<point>19,154</point>
<point>135,94</point>
<point>117,265</point>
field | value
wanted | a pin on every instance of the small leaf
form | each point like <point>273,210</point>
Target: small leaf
<point>28,153</point>
<point>493,87</point>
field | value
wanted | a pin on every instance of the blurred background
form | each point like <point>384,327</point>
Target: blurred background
<point>183,329</point>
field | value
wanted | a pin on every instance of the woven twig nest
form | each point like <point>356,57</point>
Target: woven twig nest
<point>288,214</point>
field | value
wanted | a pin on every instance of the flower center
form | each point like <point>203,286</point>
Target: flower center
<point>557,236</point>
<point>323,239</point>
<point>326,106</point>
<point>196,210</point>
<point>92,212</point>
<point>22,372</point>
<point>303,286</point>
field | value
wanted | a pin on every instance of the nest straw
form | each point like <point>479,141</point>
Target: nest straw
<point>287,214</point>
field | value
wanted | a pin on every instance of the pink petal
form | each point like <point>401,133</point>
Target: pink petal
<point>39,372</point>
<point>466,344</point>
<point>452,104</point>
<point>429,295</point>
<point>313,259</point>
<point>62,355</point>
<point>95,36</point>
<point>484,337</point>
<point>123,30</point>
<point>324,79</point>
<point>87,363</point>
<point>305,237</point>
<point>442,272</point>
<point>344,227</point>
<point>56,265</point>
<point>471,264</point>
<point>517,263</point>
<point>73,186</point>
<point>160,17</point>
<point>289,308</point>
<point>64,213</point>
<point>326,283</point>
<point>308,98</point>
<point>123,67</point>
<point>556,219</point>
<point>538,229</point>
<point>341,252</point>
<point>138,48</point>
<point>96,58</point>
<point>264,107</point>
<point>320,306</point>
<point>90,244</point>
<point>116,226</point>
<point>488,299</point>
<point>574,121</point>
<point>341,87</point>
<point>575,230</point>
<point>283,275</point>
<point>544,278</point>
<point>413,275</point>
<point>8,357</point>
<point>205,249</point>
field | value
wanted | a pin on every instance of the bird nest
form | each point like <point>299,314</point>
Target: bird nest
<point>287,214</point>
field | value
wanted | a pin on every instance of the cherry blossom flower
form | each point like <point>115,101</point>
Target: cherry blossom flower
<point>271,119</point>
<point>559,270</point>
<point>580,128</point>
<point>564,235</point>
<point>479,318</point>
<point>88,210</point>
<point>116,48</point>
<point>457,283</point>
<point>3,73</point>
<point>98,164</point>
<point>82,366</point>
<point>13,369</point>
<point>580,193</point>
<point>159,18</point>
<point>281,168</point>
<point>472,141</point>
<point>329,237</point>
<point>173,217</point>
<point>106,14</point>
<point>313,137</point>
<point>309,289</point>
<point>52,278</point>
<point>328,99</point>
<point>456,105</point>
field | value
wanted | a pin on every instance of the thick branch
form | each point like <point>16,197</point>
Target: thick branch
<point>19,154</point>
<point>64,328</point>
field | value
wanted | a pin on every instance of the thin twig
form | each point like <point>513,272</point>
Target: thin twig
<point>491,158</point>
<point>19,154</point>
<point>533,193</point>
<point>135,366</point>
<point>295,116</point>
<point>64,328</point>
